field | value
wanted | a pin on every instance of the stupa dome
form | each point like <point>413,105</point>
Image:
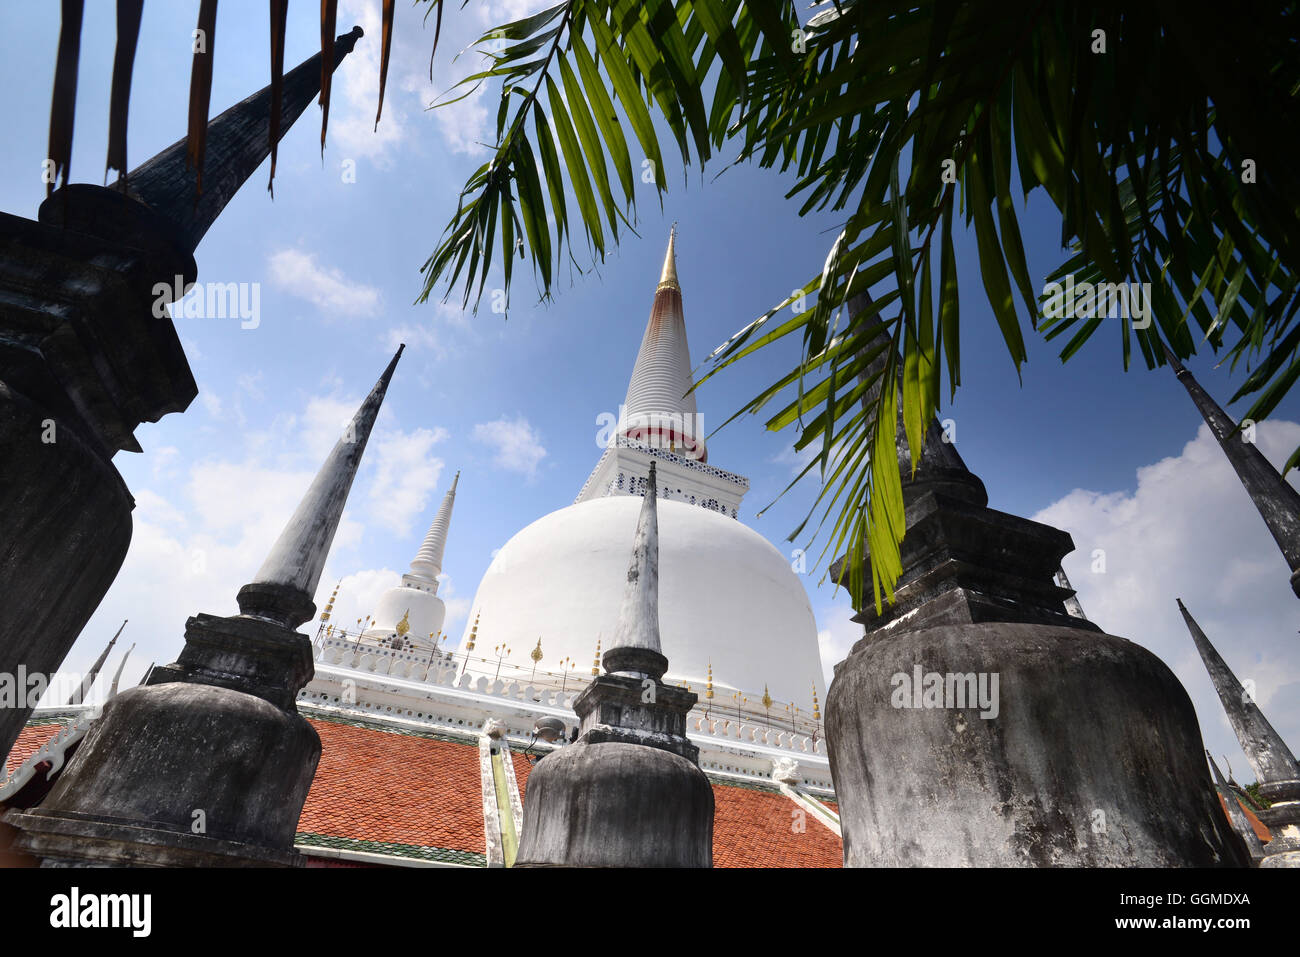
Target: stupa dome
<point>726,596</point>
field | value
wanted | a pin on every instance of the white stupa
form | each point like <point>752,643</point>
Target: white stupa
<point>729,600</point>
<point>411,615</point>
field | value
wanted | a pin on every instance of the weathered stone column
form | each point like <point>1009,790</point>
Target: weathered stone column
<point>629,792</point>
<point>1276,500</point>
<point>209,764</point>
<point>977,723</point>
<point>87,353</point>
<point>1276,769</point>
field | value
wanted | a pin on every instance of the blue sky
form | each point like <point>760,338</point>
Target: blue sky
<point>1113,458</point>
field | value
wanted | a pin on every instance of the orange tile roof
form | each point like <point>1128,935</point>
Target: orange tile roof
<point>1256,824</point>
<point>30,740</point>
<point>758,828</point>
<point>391,792</point>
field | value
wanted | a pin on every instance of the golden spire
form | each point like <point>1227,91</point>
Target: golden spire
<point>595,665</point>
<point>536,653</point>
<point>329,605</point>
<point>668,279</point>
<point>708,690</point>
<point>817,712</point>
<point>404,626</point>
<point>473,634</point>
<point>767,698</point>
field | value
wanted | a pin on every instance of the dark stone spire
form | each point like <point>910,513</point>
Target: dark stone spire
<point>629,791</point>
<point>940,467</point>
<point>283,588</point>
<point>238,141</point>
<point>1276,500</point>
<point>81,693</point>
<point>635,649</point>
<point>1267,753</point>
<point>217,730</point>
<point>963,562</point>
<point>977,711</point>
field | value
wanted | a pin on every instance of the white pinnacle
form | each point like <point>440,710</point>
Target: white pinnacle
<point>658,408</point>
<point>427,564</point>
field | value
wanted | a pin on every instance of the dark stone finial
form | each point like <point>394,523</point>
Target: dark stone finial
<point>1267,753</point>
<point>629,791</point>
<point>238,141</point>
<point>963,562</point>
<point>283,588</point>
<point>636,648</point>
<point>1276,500</point>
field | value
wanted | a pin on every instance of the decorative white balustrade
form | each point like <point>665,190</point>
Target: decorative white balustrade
<point>446,670</point>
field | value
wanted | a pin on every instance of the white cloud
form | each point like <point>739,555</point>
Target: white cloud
<point>299,274</point>
<point>358,594</point>
<point>1189,530</point>
<point>430,333</point>
<point>494,13</point>
<point>356,85</point>
<point>516,444</point>
<point>164,459</point>
<point>202,526</point>
<point>407,473</point>
<point>324,422</point>
<point>464,122</point>
<point>211,403</point>
<point>837,635</point>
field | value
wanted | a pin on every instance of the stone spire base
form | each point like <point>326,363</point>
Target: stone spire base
<point>1283,822</point>
<point>179,774</point>
<point>614,708</point>
<point>1086,753</point>
<point>629,792</point>
<point>244,654</point>
<point>206,766</point>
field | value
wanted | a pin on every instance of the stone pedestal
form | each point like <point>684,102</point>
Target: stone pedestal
<point>84,359</point>
<point>1090,754</point>
<point>629,792</point>
<point>208,765</point>
<point>1282,819</point>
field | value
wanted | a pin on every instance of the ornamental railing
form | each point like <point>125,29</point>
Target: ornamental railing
<point>734,715</point>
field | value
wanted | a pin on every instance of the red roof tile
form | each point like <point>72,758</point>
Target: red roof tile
<point>30,740</point>
<point>754,828</point>
<point>1260,830</point>
<point>383,787</point>
<point>395,788</point>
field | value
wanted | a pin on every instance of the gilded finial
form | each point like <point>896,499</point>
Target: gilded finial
<point>595,665</point>
<point>767,698</point>
<point>708,690</point>
<point>473,633</point>
<point>404,626</point>
<point>668,278</point>
<point>536,653</point>
<point>817,713</point>
<point>329,605</point>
